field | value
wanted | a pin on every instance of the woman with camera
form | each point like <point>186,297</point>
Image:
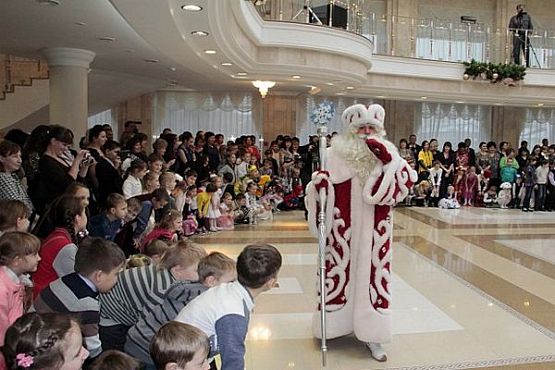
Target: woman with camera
<point>58,166</point>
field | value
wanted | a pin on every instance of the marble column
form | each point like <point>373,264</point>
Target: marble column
<point>69,88</point>
<point>401,27</point>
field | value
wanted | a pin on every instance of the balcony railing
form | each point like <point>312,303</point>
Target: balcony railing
<point>417,38</point>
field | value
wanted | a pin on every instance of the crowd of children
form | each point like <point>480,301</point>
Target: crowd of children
<point>489,177</point>
<point>94,279</point>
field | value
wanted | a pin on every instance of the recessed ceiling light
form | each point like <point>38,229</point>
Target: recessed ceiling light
<point>80,24</point>
<point>210,52</point>
<point>296,77</point>
<point>340,93</point>
<point>380,96</point>
<point>151,60</point>
<point>350,88</point>
<point>242,73</point>
<point>173,69</point>
<point>192,8</point>
<point>460,102</point>
<point>199,33</point>
<point>237,76</point>
<point>540,105</point>
<point>329,84</point>
<point>107,38</point>
<point>227,64</point>
<point>424,98</point>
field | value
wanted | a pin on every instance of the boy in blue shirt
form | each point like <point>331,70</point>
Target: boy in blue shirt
<point>108,223</point>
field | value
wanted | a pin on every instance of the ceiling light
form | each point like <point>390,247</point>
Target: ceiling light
<point>210,52</point>
<point>191,8</point>
<point>460,102</point>
<point>151,60</point>
<point>130,50</point>
<point>80,24</point>
<point>242,73</point>
<point>296,77</point>
<point>227,64</point>
<point>107,38</point>
<point>424,98</point>
<point>173,69</point>
<point>199,33</point>
<point>350,88</point>
<point>49,2</point>
<point>329,84</point>
<point>380,96</point>
<point>540,105</point>
<point>341,93</point>
<point>263,86</point>
<point>314,90</point>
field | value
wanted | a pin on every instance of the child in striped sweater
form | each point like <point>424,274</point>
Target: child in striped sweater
<point>97,264</point>
<point>142,288</point>
<point>214,269</point>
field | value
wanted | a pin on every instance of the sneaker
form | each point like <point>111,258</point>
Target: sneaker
<point>377,351</point>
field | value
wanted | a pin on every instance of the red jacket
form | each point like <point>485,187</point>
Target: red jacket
<point>49,250</point>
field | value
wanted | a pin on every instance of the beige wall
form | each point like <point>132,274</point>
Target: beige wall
<point>139,108</point>
<point>280,116</point>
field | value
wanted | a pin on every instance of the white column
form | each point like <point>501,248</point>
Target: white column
<point>69,88</point>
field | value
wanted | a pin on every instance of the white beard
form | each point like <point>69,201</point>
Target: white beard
<point>356,153</point>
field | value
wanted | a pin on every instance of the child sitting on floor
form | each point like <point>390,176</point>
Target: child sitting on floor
<point>450,201</point>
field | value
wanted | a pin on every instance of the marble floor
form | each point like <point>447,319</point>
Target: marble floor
<point>473,289</point>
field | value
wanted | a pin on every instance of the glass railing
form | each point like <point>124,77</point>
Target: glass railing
<point>417,38</point>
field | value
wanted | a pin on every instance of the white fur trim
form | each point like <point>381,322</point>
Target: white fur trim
<point>395,173</point>
<point>313,197</point>
<point>359,115</point>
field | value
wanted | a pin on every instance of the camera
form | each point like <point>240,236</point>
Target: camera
<point>88,159</point>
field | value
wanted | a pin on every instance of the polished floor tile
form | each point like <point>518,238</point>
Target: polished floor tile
<point>539,248</point>
<point>472,289</point>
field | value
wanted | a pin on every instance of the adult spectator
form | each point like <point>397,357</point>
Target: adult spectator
<point>185,153</point>
<point>10,185</point>
<point>211,151</point>
<point>471,152</point>
<point>57,167</point>
<point>130,129</point>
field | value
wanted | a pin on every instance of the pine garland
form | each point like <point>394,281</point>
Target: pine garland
<point>509,74</point>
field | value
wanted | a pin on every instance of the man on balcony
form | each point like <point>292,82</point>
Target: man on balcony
<point>521,27</point>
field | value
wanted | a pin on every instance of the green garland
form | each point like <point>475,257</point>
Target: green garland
<point>486,71</point>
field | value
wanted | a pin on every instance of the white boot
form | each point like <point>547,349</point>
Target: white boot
<point>377,351</point>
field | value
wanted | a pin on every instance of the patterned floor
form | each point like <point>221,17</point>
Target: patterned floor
<point>473,288</point>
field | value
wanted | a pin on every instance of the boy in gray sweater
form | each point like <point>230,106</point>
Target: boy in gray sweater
<point>214,269</point>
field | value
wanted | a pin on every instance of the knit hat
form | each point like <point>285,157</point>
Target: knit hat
<point>359,115</point>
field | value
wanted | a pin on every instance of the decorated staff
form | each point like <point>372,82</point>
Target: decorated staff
<point>364,178</point>
<point>322,116</point>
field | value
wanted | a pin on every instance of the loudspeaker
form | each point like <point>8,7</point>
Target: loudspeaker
<point>323,13</point>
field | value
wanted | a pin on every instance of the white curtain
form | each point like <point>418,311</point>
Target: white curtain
<point>232,114</point>
<point>306,105</point>
<point>539,124</point>
<point>452,122</point>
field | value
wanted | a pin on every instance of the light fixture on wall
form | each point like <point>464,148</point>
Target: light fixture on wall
<point>263,86</point>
